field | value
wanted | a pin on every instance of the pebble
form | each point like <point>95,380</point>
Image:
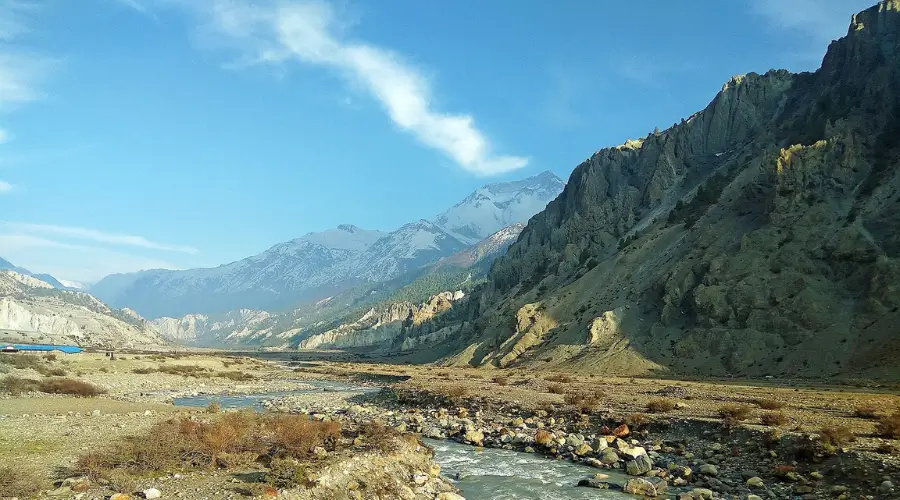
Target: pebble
<point>151,493</point>
<point>756,482</point>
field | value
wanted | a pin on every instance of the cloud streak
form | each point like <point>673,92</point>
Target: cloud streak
<point>310,32</point>
<point>85,234</point>
<point>5,187</point>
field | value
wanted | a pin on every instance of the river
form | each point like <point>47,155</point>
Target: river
<point>480,473</point>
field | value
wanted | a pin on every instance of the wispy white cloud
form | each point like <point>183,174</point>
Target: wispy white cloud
<point>85,234</point>
<point>5,187</point>
<point>4,136</point>
<point>134,4</point>
<point>70,261</point>
<point>12,14</point>
<point>19,69</point>
<point>273,32</point>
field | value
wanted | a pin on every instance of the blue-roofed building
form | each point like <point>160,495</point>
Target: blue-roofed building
<point>68,349</point>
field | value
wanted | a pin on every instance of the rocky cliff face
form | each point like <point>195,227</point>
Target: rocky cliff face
<point>384,327</point>
<point>757,237</point>
<point>34,311</point>
<point>200,329</point>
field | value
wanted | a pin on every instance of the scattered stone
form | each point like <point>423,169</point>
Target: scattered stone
<point>648,487</point>
<point>593,483</point>
<point>95,413</point>
<point>621,431</point>
<point>120,496</point>
<point>639,465</point>
<point>151,493</point>
<point>709,470</point>
<point>449,495</point>
<point>474,437</point>
<point>886,487</point>
<point>755,482</point>
<point>632,453</point>
<point>583,449</point>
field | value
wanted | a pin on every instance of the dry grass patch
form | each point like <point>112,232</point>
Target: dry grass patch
<point>144,371</point>
<point>17,481</point>
<point>584,400</point>
<point>237,376</point>
<point>557,389</point>
<point>773,418</point>
<point>867,410</point>
<point>660,405</point>
<point>734,413</point>
<point>185,370</point>
<point>179,444</point>
<point>20,361</point>
<point>18,385</point>
<point>889,426</point>
<point>70,387</point>
<point>769,404</point>
<point>501,380</point>
<point>637,420</point>
<point>836,435</point>
<point>562,378</point>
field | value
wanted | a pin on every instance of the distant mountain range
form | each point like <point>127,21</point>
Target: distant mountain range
<point>320,265</point>
<point>46,278</point>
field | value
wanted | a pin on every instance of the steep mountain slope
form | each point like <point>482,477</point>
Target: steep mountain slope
<point>496,206</point>
<point>461,270</point>
<point>758,237</point>
<point>320,265</point>
<point>33,310</point>
<point>46,278</point>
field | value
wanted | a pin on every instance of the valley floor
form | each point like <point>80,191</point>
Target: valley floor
<point>679,423</point>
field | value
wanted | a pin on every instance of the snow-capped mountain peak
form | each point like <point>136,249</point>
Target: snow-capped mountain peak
<point>499,205</point>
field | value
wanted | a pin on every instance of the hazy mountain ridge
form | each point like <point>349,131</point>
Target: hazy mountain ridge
<point>323,264</point>
<point>5,264</point>
<point>32,310</point>
<point>461,270</point>
<point>757,237</point>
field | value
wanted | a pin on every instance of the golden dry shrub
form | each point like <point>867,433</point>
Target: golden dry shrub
<point>773,418</point>
<point>660,405</point>
<point>889,426</point>
<point>733,413</point>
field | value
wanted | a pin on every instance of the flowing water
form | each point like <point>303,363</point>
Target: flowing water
<point>480,474</point>
<point>255,401</point>
<point>512,475</point>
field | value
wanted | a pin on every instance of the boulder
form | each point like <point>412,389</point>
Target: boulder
<point>639,465</point>
<point>648,487</point>
<point>474,437</point>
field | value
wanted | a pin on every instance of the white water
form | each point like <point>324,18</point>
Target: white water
<point>494,474</point>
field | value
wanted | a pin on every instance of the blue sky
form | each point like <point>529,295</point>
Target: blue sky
<point>182,133</point>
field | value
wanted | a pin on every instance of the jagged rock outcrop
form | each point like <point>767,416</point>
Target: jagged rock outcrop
<point>34,311</point>
<point>386,326</point>
<point>757,237</point>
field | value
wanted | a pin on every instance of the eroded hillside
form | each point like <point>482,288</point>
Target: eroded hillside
<point>757,237</point>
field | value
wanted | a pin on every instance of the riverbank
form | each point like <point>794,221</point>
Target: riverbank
<point>685,447</point>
